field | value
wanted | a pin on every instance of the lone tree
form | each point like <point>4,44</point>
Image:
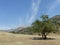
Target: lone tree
<point>43,26</point>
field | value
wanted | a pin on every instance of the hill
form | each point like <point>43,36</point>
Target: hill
<point>55,18</point>
<point>20,30</point>
<point>26,30</point>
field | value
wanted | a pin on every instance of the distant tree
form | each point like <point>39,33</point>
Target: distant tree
<point>43,26</point>
<point>12,32</point>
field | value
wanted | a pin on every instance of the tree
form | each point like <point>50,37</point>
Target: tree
<point>43,26</point>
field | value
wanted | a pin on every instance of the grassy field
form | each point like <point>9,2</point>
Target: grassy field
<point>20,39</point>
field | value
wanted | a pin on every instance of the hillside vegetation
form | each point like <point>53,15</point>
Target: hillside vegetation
<point>21,30</point>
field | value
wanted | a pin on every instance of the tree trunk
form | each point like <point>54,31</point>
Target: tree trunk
<point>44,36</point>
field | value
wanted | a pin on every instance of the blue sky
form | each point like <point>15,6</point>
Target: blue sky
<point>17,13</point>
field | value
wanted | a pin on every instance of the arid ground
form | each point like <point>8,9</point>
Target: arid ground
<point>21,39</point>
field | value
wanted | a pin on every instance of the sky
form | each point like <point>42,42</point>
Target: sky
<point>21,13</point>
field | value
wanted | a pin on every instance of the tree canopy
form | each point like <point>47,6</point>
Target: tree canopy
<point>43,26</point>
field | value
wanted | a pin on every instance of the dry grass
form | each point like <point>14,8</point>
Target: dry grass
<point>19,39</point>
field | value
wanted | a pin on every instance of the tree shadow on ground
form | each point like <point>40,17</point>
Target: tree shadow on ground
<point>40,38</point>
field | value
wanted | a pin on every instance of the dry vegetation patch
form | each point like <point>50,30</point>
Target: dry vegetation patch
<point>20,39</point>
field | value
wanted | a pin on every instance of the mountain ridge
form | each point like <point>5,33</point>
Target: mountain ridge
<point>26,30</point>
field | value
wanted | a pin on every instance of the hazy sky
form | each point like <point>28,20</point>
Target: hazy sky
<point>15,13</point>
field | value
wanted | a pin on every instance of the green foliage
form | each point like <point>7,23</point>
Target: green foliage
<point>45,26</point>
<point>36,26</point>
